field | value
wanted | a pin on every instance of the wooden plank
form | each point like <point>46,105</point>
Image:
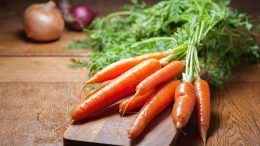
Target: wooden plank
<point>251,7</point>
<point>14,43</point>
<point>231,114</point>
<point>100,6</point>
<point>31,108</point>
<point>34,113</point>
<point>40,69</point>
<point>110,128</point>
<point>235,117</point>
<point>37,95</point>
<point>246,73</point>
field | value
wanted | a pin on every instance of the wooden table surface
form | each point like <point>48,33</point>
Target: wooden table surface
<point>37,89</point>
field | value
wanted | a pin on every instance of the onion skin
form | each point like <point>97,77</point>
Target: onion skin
<point>81,15</point>
<point>43,22</point>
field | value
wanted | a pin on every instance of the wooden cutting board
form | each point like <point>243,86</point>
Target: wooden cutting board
<point>110,128</point>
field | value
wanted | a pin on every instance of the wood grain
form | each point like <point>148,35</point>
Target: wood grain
<point>40,69</point>
<point>238,105</point>
<point>13,41</point>
<point>37,90</point>
<point>235,117</point>
<point>246,73</point>
<point>32,112</point>
<point>37,94</point>
<point>26,47</point>
<point>110,128</point>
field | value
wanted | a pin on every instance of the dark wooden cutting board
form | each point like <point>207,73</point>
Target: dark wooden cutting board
<point>110,128</point>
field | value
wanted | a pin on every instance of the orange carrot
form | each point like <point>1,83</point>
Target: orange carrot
<point>116,69</point>
<point>121,87</point>
<point>90,93</point>
<point>202,107</point>
<point>184,104</point>
<point>166,73</point>
<point>135,101</point>
<point>153,107</point>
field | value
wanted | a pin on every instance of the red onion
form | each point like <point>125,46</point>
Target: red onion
<point>76,16</point>
<point>81,15</point>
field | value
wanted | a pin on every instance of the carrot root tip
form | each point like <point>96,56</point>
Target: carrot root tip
<point>204,136</point>
<point>130,135</point>
<point>179,125</point>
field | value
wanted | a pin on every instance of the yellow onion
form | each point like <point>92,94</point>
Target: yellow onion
<point>43,22</point>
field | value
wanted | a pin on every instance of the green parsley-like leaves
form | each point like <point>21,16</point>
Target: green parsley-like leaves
<point>228,40</point>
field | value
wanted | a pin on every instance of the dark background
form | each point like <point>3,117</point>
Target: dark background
<point>105,6</point>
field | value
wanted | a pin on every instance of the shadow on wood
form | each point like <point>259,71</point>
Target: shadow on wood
<point>21,35</point>
<point>161,118</point>
<point>107,112</point>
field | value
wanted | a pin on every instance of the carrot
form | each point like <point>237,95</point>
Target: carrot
<point>202,107</point>
<point>116,69</point>
<point>135,101</point>
<point>153,107</point>
<point>184,104</point>
<point>166,73</point>
<point>90,93</point>
<point>121,87</point>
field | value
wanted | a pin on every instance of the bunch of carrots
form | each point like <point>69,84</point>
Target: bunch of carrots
<point>210,37</point>
<point>145,81</point>
<point>152,81</point>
